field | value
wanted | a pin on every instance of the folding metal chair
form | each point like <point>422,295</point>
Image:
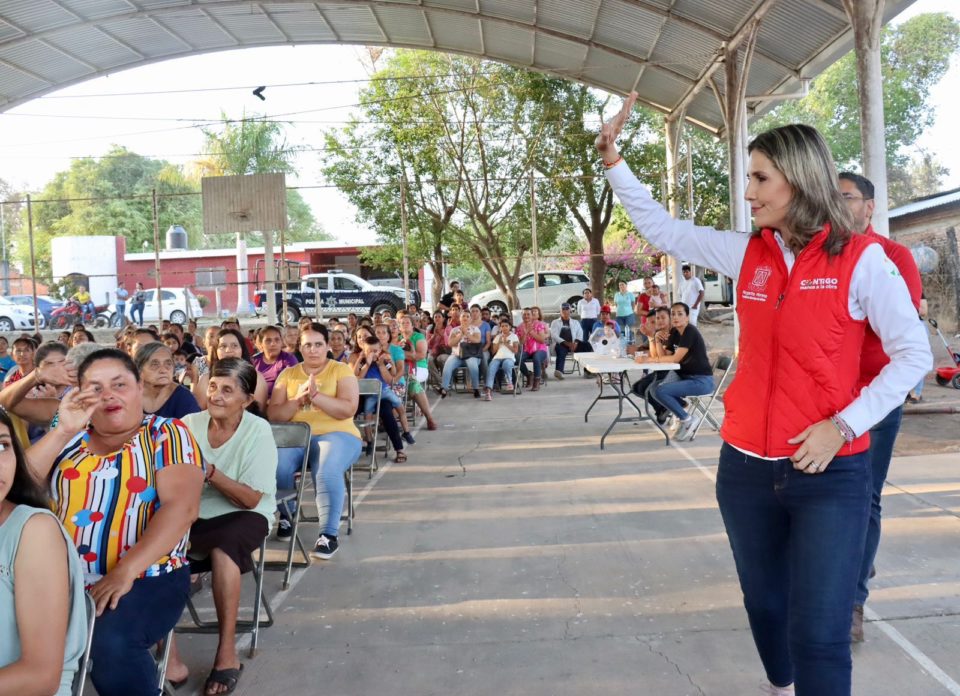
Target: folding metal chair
<point>700,405</point>
<point>369,387</point>
<point>163,658</point>
<point>80,678</point>
<point>251,625</point>
<point>293,435</point>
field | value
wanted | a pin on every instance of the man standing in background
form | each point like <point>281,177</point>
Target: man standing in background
<point>121,295</point>
<point>691,292</point>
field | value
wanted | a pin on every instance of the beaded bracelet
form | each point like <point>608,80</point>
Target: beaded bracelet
<point>845,430</point>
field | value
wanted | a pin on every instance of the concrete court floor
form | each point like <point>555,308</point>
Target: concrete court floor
<point>510,555</point>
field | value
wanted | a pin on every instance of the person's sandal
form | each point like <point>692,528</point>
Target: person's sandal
<point>401,457</point>
<point>223,677</point>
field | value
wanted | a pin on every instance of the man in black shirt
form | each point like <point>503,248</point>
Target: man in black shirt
<point>447,300</point>
<point>695,373</point>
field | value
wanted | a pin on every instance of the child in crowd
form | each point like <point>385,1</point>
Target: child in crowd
<point>376,364</point>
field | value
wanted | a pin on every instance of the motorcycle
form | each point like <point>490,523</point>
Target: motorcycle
<point>71,314</point>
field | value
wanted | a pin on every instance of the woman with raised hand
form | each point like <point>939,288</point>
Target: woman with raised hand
<point>44,628</point>
<point>793,482</point>
<point>126,487</point>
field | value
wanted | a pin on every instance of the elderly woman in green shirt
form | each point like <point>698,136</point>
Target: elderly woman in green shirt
<point>236,506</point>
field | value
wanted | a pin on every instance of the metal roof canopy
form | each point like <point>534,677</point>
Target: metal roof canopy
<point>668,50</point>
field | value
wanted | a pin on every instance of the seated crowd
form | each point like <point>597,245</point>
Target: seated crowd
<point>154,459</point>
<point>125,468</point>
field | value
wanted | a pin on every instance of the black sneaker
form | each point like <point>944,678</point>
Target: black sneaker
<point>325,547</point>
<point>409,438</point>
<point>663,416</point>
<point>476,393</point>
<point>284,529</point>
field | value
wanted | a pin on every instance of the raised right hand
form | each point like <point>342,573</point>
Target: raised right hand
<point>606,140</point>
<point>76,409</point>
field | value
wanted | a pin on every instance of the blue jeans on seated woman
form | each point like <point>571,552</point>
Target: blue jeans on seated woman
<point>123,663</point>
<point>539,359</point>
<point>670,393</point>
<point>331,454</point>
<point>497,364</point>
<point>797,541</point>
<point>454,363</point>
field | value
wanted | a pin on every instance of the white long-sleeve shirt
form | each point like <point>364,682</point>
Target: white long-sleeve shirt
<point>877,294</point>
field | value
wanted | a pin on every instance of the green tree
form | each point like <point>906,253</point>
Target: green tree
<point>921,176</point>
<point>109,195</point>
<point>461,137</point>
<point>915,54</point>
<point>255,145</point>
<point>393,141</point>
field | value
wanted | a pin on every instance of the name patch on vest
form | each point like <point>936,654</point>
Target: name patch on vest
<point>755,289</point>
<point>819,283</point>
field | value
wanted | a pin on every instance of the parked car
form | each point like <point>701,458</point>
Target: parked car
<point>717,289</point>
<point>174,301</point>
<point>339,294</point>
<point>556,287</point>
<point>15,317</point>
<point>45,304</point>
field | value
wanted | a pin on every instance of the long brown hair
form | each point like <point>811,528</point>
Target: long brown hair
<point>802,155</point>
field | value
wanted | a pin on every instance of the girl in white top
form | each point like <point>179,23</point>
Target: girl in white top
<point>505,346</point>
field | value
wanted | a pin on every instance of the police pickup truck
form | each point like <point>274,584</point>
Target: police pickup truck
<point>338,295</point>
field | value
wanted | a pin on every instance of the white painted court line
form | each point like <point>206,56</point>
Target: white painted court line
<point>915,653</point>
<point>929,666</point>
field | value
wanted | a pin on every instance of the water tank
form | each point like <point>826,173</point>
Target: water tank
<point>176,238</point>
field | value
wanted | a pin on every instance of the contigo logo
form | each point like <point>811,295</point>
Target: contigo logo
<point>819,284</point>
<point>761,276</point>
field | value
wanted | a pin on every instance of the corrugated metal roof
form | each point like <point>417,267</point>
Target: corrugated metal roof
<point>661,46</point>
<point>942,199</point>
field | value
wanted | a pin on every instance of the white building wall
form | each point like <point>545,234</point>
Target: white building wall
<point>94,257</point>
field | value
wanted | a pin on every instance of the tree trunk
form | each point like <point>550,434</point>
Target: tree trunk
<point>598,263</point>
<point>436,288</point>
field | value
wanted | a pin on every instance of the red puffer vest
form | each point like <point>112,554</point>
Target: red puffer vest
<point>799,347</point>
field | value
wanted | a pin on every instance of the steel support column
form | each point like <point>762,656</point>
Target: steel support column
<point>866,18</point>
<point>673,126</point>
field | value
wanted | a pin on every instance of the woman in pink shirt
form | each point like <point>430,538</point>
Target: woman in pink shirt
<point>533,339</point>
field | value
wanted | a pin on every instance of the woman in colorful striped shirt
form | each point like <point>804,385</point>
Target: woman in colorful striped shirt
<point>126,487</point>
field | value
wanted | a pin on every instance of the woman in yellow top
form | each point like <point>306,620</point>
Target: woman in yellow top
<point>324,394</point>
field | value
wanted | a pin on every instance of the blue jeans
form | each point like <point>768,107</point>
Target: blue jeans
<point>538,359</point>
<point>797,541</point>
<point>387,396</point>
<point>625,321</point>
<point>331,454</point>
<point>882,437</point>
<point>506,364</point>
<point>134,308</point>
<point>563,351</point>
<point>121,313</point>
<point>454,363</point>
<point>123,664</point>
<point>587,325</point>
<point>669,393</point>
